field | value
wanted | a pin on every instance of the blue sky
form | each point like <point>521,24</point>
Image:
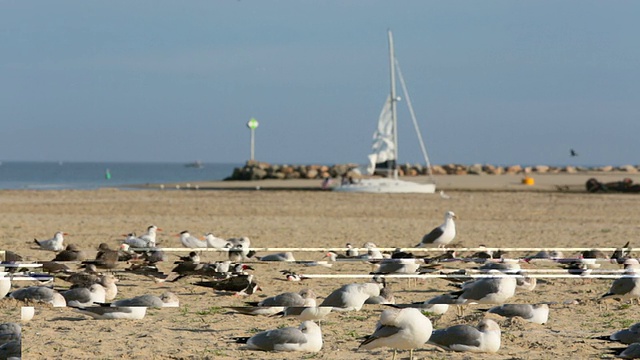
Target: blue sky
<point>500,82</point>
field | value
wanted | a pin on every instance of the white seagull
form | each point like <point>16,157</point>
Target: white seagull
<point>191,241</point>
<point>53,244</point>
<point>484,338</point>
<point>215,242</point>
<point>443,234</point>
<point>112,312</point>
<point>150,236</point>
<point>351,296</point>
<point>626,336</point>
<point>535,313</point>
<point>82,296</point>
<point>40,294</point>
<point>494,289</point>
<point>626,286</point>
<point>404,329</point>
<point>307,338</point>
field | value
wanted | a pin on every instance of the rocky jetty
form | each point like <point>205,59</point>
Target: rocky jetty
<point>256,170</point>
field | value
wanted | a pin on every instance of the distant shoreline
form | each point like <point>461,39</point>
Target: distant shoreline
<point>542,183</point>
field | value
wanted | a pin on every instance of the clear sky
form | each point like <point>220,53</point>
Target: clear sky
<point>499,82</point>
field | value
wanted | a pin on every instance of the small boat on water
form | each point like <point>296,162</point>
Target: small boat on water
<point>196,164</point>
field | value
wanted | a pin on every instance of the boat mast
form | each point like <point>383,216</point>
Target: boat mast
<point>394,117</point>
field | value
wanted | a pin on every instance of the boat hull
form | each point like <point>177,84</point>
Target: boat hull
<point>386,186</point>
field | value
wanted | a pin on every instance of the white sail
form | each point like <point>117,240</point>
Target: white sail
<point>385,150</point>
<point>383,138</point>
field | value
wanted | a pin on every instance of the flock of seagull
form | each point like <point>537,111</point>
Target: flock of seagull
<point>93,291</point>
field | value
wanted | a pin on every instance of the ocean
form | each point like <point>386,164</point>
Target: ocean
<point>94,175</point>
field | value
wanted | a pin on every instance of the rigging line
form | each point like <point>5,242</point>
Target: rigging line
<point>413,118</point>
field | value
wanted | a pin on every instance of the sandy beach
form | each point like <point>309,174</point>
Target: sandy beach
<point>496,211</point>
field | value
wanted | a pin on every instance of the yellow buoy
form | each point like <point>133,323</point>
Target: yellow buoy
<point>528,181</point>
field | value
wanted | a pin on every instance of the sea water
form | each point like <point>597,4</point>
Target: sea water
<point>90,175</point>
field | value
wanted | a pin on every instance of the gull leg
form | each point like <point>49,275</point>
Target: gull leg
<point>410,354</point>
<point>394,355</point>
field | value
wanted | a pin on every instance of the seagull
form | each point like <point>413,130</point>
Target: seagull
<point>275,304</point>
<point>304,313</point>
<point>351,296</point>
<point>494,289</point>
<point>307,338</point>
<point>386,297</point>
<point>215,242</point>
<point>443,234</point>
<point>444,196</point>
<point>12,350</point>
<point>150,236</point>
<point>71,253</point>
<point>190,241</point>
<point>573,152</point>
<point>108,282</point>
<point>53,244</point>
<point>630,352</point>
<point>436,306</point>
<point>82,296</point>
<point>484,338</point>
<point>351,251</point>
<point>239,284</point>
<point>285,256</point>
<point>404,329</point>
<point>626,336</point>
<point>39,294</point>
<point>626,286</point>
<point>167,299</point>
<point>535,313</point>
<point>10,331</point>
<point>106,258</point>
<point>115,312</point>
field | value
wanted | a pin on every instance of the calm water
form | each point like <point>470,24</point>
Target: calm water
<point>77,175</point>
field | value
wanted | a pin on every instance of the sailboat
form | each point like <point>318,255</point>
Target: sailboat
<point>384,157</point>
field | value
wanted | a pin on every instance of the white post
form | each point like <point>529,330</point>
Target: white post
<point>252,124</point>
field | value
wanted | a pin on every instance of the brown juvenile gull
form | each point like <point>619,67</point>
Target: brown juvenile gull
<point>71,253</point>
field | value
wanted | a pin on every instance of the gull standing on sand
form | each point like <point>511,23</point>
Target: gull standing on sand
<point>150,236</point>
<point>404,329</point>
<point>535,313</point>
<point>351,296</point>
<point>443,234</point>
<point>630,352</point>
<point>626,286</point>
<point>484,338</point>
<point>307,338</point>
<point>53,244</point>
